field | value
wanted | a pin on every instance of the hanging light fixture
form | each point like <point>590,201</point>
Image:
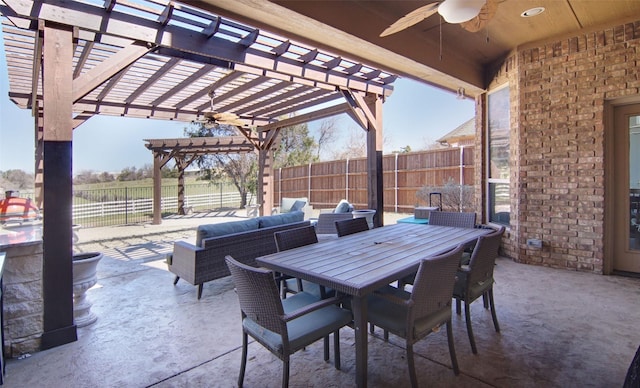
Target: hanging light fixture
<point>459,11</point>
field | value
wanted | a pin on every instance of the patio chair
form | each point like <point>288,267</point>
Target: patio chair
<point>282,326</point>
<point>457,219</point>
<point>290,239</point>
<point>476,280</point>
<point>351,226</point>
<point>294,238</point>
<point>414,315</point>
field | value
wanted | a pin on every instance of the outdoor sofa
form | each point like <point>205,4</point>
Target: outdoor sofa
<point>243,240</point>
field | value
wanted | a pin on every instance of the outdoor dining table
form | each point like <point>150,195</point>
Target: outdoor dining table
<point>360,263</point>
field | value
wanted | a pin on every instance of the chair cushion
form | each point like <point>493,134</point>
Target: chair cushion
<point>343,207</point>
<point>225,228</point>
<point>474,291</point>
<point>393,317</point>
<point>303,330</point>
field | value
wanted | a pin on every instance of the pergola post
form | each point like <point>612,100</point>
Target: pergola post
<point>375,189</point>
<point>157,188</point>
<point>57,288</point>
<point>264,195</point>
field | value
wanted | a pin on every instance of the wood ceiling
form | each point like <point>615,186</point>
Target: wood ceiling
<point>442,54</point>
<point>161,59</point>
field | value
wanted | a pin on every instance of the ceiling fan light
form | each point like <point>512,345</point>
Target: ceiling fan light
<point>459,11</point>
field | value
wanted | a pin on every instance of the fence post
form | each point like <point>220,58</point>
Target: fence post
<point>126,205</point>
<point>395,168</point>
<point>309,183</point>
<point>346,185</point>
<point>461,175</point>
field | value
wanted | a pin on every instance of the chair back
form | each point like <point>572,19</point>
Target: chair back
<point>457,219</point>
<point>258,295</point>
<point>351,226</point>
<point>433,286</point>
<point>294,238</point>
<point>484,256</point>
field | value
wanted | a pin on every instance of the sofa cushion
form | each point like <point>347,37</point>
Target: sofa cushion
<point>288,203</point>
<point>222,229</point>
<point>343,207</point>
<point>297,206</point>
<point>280,219</point>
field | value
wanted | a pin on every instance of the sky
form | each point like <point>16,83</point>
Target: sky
<point>415,114</point>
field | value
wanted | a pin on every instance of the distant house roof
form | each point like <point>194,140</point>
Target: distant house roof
<point>463,135</point>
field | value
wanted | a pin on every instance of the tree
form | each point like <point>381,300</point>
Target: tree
<point>128,174</point>
<point>295,147</point>
<point>241,169</point>
<point>327,134</point>
<point>356,147</point>
<point>18,179</point>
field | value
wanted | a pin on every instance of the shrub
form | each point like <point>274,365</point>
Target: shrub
<point>455,197</point>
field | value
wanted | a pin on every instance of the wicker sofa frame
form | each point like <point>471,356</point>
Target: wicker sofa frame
<point>198,265</point>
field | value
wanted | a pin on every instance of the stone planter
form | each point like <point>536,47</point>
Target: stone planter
<point>85,267</point>
<point>366,213</point>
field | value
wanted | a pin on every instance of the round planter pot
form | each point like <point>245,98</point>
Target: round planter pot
<point>85,276</point>
<point>366,213</point>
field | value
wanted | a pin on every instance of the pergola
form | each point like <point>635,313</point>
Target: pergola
<point>184,152</point>
<point>70,60</point>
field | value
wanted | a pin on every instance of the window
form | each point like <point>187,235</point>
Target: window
<point>498,127</point>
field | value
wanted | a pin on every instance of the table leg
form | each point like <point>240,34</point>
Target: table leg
<point>359,305</point>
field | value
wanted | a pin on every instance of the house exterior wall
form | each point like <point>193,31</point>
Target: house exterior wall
<point>559,91</point>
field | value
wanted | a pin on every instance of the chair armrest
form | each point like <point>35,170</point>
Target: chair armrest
<point>312,307</point>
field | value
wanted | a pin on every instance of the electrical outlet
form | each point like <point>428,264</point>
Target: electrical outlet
<point>534,243</point>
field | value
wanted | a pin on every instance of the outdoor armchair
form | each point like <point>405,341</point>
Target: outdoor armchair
<point>326,219</point>
<point>414,315</point>
<point>476,279</point>
<point>282,326</point>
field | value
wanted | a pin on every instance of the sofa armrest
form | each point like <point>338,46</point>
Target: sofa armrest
<point>183,260</point>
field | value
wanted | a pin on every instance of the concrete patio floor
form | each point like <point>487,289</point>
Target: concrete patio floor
<point>559,328</point>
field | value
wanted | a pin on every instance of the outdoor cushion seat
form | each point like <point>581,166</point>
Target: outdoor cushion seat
<point>282,326</point>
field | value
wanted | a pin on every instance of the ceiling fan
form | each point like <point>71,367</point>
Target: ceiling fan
<point>472,15</point>
<point>213,118</point>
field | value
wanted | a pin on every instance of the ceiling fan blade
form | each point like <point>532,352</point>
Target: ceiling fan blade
<point>413,17</point>
<point>235,122</point>
<point>225,116</point>
<point>487,12</point>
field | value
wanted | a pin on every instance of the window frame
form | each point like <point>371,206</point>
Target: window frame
<point>490,207</point>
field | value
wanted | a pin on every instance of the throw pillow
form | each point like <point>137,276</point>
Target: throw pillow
<point>343,207</point>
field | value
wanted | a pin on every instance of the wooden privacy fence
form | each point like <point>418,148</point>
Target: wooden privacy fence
<point>326,183</point>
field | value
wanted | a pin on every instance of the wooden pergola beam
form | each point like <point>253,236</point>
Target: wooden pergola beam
<point>305,118</point>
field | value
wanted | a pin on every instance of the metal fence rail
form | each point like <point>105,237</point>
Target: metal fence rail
<point>131,205</point>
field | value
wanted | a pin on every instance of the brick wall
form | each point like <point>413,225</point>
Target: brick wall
<point>557,142</point>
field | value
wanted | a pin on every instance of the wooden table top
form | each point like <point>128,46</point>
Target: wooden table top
<point>360,263</point>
